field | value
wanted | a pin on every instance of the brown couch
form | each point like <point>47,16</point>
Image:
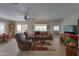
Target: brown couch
<point>5,37</point>
<point>46,35</point>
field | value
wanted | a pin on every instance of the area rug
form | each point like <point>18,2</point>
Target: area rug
<point>38,46</point>
<point>47,44</point>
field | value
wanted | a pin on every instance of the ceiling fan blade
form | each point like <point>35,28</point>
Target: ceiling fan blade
<point>29,19</point>
<point>32,18</point>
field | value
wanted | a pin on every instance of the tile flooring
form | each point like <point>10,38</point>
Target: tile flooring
<point>11,49</point>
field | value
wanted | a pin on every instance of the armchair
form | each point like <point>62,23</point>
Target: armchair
<point>22,43</point>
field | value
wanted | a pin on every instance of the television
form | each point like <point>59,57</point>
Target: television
<point>71,29</point>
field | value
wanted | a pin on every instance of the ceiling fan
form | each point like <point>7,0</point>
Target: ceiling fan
<point>27,16</point>
<point>27,13</point>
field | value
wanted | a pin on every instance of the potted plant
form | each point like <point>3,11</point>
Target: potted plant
<point>71,45</point>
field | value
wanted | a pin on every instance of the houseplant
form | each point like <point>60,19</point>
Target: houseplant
<point>71,45</point>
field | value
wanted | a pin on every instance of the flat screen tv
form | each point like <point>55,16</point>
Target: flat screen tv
<point>72,29</point>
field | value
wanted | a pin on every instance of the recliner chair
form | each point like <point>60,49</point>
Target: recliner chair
<point>22,43</point>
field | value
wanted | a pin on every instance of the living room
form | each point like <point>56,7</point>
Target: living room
<point>41,25</point>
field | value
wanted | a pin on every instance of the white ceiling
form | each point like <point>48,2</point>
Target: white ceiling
<point>51,11</point>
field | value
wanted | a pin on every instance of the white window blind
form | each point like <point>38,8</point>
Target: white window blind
<point>18,28</point>
<point>24,28</point>
<point>2,28</point>
<point>40,27</point>
<point>21,28</point>
<point>56,28</point>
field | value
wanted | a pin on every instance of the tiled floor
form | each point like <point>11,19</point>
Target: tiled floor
<point>11,49</point>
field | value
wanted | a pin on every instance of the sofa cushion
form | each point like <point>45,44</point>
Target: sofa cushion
<point>37,33</point>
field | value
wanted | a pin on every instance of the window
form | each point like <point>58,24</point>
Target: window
<point>40,27</point>
<point>21,28</point>
<point>2,28</point>
<point>56,28</point>
<point>18,28</point>
<point>24,28</point>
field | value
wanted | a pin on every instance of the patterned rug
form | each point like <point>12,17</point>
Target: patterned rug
<point>43,46</point>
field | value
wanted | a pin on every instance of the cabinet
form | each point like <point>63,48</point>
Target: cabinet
<point>71,52</point>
